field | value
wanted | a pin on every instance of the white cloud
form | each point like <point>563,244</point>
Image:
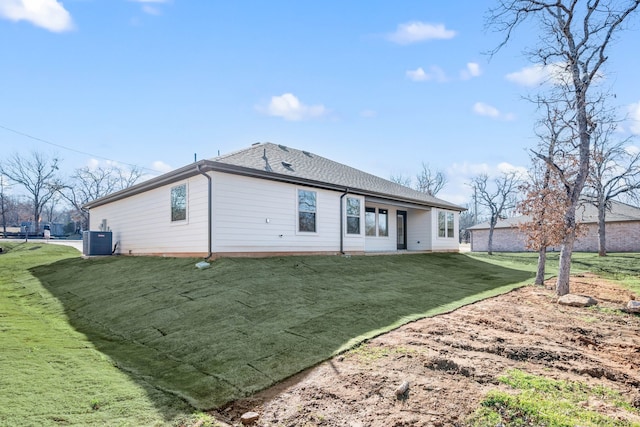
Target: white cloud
<point>472,70</point>
<point>150,10</point>
<point>289,107</point>
<point>520,171</point>
<point>460,175</point>
<point>632,149</point>
<point>538,74</point>
<point>482,109</point>
<point>528,76</point>
<point>435,74</point>
<point>413,32</point>
<point>149,6</point>
<point>368,114</point>
<point>48,14</point>
<point>161,166</point>
<point>634,118</point>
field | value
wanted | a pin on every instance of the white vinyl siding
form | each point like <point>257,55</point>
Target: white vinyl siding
<point>258,215</point>
<point>141,224</point>
<point>450,220</point>
<point>418,230</point>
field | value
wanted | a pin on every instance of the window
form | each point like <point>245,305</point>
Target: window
<point>449,224</point>
<point>445,224</point>
<point>442,230</point>
<point>376,225</point>
<point>383,222</point>
<point>370,221</point>
<point>179,203</point>
<point>353,215</point>
<point>307,211</point>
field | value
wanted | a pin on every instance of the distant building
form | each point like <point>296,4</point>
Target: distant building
<point>622,231</point>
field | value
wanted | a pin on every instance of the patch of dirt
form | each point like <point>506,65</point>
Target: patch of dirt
<point>451,361</point>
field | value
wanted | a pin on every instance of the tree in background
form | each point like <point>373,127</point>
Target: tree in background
<point>4,205</point>
<point>615,171</point>
<point>573,40</point>
<point>87,184</point>
<point>36,173</point>
<point>498,198</point>
<point>545,199</point>
<point>427,181</point>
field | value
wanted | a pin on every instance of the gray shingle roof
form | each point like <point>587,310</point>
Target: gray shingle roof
<point>286,161</point>
<point>586,213</point>
<point>280,163</point>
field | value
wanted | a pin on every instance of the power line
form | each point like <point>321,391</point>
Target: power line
<point>26,135</point>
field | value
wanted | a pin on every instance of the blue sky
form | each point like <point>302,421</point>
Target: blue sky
<point>379,85</point>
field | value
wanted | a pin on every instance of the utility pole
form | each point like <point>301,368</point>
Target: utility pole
<point>2,207</point>
<point>475,203</point>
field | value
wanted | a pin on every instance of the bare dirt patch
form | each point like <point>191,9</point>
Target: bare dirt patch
<point>451,361</point>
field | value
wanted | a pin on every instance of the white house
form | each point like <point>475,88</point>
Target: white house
<point>270,199</point>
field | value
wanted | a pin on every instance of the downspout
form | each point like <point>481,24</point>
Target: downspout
<point>346,191</point>
<point>210,209</point>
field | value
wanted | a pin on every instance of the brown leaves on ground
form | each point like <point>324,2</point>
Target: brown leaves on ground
<point>451,361</point>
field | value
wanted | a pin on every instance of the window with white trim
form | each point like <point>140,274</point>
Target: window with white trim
<point>370,221</point>
<point>383,223</point>
<point>307,209</point>
<point>446,224</point>
<point>179,203</point>
<point>353,215</point>
<point>376,222</point>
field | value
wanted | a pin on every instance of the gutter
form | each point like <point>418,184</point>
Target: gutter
<point>208,165</point>
<point>210,210</point>
<point>346,191</point>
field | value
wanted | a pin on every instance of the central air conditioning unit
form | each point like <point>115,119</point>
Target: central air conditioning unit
<point>96,243</point>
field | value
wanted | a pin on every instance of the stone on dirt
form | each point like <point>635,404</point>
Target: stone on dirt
<point>633,306</point>
<point>402,389</point>
<point>574,300</point>
<point>249,418</point>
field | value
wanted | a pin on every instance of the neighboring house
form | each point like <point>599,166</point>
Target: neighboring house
<point>270,199</point>
<point>622,229</point>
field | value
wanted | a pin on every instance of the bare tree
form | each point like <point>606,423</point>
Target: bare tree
<point>430,182</point>
<point>545,199</point>
<point>615,171</point>
<point>4,205</point>
<point>427,181</point>
<point>401,179</point>
<point>87,184</point>
<point>35,173</point>
<point>497,200</point>
<point>574,38</point>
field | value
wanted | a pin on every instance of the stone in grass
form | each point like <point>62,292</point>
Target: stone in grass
<point>249,418</point>
<point>574,300</point>
<point>633,307</point>
<point>202,265</point>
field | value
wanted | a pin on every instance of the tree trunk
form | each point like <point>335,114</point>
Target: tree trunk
<point>566,249</point>
<point>602,239</point>
<point>542,261</point>
<point>490,244</point>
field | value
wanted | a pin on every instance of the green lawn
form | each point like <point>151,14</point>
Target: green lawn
<point>622,267</point>
<point>181,336</point>
<point>52,374</point>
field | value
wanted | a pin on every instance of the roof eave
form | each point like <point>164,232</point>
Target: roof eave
<point>211,165</point>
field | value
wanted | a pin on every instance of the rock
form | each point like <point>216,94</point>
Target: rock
<point>402,389</point>
<point>249,418</point>
<point>577,300</point>
<point>633,307</point>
